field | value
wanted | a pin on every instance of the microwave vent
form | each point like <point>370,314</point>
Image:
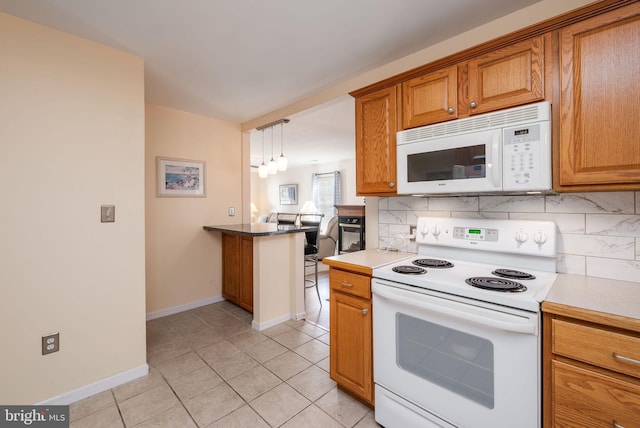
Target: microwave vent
<point>499,119</point>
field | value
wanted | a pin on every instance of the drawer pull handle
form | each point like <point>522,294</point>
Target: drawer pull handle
<point>346,284</point>
<point>617,425</point>
<point>625,359</point>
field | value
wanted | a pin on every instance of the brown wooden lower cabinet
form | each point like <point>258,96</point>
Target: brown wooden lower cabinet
<point>591,372</point>
<point>237,269</point>
<point>351,333</point>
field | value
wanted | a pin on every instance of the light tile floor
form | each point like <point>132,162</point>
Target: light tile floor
<point>208,368</point>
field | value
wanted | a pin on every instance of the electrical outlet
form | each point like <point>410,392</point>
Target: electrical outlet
<point>107,213</point>
<point>412,232</point>
<point>50,343</point>
<point>232,211</point>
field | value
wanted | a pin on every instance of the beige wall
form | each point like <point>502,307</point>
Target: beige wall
<point>71,139</point>
<point>183,262</point>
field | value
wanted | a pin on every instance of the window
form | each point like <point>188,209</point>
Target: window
<point>325,193</point>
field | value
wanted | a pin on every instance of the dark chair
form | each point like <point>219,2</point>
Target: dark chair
<point>311,248</point>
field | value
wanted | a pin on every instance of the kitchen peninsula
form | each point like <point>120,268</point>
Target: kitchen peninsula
<point>263,270</point>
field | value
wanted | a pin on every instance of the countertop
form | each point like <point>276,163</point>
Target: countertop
<point>258,229</point>
<point>365,261</point>
<point>608,301</point>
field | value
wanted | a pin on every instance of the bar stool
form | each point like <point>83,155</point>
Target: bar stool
<point>287,218</point>
<point>311,248</point>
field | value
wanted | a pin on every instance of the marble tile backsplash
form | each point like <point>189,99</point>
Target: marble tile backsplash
<point>598,233</point>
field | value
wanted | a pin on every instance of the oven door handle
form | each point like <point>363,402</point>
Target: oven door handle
<point>482,316</point>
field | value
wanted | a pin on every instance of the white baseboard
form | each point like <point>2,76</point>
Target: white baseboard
<point>299,316</point>
<point>264,325</point>
<point>96,387</point>
<point>181,308</point>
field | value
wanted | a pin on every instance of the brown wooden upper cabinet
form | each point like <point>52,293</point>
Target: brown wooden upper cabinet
<point>430,98</point>
<point>600,103</point>
<point>376,127</point>
<point>586,62</point>
<point>503,78</point>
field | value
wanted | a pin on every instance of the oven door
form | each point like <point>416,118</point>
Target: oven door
<point>464,364</point>
<point>462,163</point>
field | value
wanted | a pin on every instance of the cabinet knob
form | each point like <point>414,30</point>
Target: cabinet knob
<point>392,184</point>
<point>450,110</point>
<point>365,311</point>
<point>473,104</point>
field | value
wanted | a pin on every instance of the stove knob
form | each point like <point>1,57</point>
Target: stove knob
<point>539,238</point>
<point>424,231</point>
<point>435,230</point>
<point>521,236</point>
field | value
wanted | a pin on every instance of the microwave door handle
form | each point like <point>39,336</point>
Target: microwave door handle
<point>449,308</point>
<point>495,160</point>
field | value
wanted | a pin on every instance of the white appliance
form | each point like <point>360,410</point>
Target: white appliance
<point>456,344</point>
<point>508,151</point>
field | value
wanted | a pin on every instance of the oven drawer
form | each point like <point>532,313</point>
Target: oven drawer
<point>351,283</point>
<point>614,351</point>
<point>583,398</point>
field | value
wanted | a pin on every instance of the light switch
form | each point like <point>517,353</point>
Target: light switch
<point>107,213</point>
<point>232,211</point>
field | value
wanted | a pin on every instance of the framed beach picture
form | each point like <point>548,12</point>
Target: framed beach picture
<point>180,177</point>
<point>289,194</point>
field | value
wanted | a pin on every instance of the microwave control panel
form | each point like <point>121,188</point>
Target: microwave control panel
<point>527,157</point>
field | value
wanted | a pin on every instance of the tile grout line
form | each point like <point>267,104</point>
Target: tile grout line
<point>175,328</point>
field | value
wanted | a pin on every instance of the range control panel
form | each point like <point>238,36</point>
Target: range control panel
<point>475,234</point>
<point>526,237</point>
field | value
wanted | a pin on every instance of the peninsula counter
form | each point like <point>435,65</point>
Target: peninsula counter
<point>263,270</point>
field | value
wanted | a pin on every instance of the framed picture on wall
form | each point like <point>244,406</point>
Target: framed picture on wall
<point>288,194</point>
<point>180,177</point>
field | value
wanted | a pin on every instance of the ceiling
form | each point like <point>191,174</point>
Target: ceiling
<point>240,59</point>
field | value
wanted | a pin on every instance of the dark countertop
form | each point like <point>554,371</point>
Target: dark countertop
<point>258,229</point>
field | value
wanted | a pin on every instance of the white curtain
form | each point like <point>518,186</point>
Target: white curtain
<point>325,193</point>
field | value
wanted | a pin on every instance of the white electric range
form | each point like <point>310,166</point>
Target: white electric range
<point>457,327</point>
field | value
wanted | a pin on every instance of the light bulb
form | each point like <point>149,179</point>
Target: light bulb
<point>272,167</point>
<point>262,171</point>
<point>282,163</point>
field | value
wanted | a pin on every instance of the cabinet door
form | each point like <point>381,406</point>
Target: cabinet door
<point>246,270</point>
<point>351,344</point>
<point>584,398</point>
<point>430,98</point>
<point>231,259</point>
<point>600,102</point>
<point>507,77</point>
<point>376,142</point>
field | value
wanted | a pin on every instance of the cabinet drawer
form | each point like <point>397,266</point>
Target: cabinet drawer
<point>352,283</point>
<point>582,398</point>
<point>614,351</point>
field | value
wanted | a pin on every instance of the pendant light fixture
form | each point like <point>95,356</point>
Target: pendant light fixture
<point>272,167</point>
<point>262,169</point>
<point>282,161</point>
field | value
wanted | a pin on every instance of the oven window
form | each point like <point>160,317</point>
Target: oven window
<point>454,360</point>
<point>451,164</point>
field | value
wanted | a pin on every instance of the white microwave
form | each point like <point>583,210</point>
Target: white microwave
<point>506,151</point>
